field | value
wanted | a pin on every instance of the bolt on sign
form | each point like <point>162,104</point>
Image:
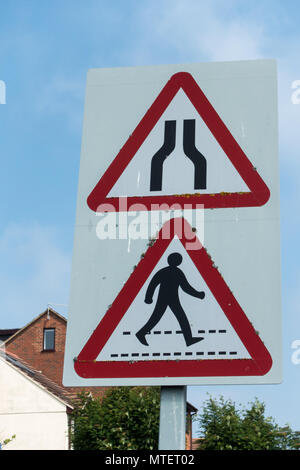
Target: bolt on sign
<point>176,262</point>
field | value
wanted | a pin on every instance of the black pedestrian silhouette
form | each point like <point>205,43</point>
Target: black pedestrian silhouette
<point>169,279</point>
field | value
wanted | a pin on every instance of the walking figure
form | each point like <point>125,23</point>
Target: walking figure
<point>169,279</point>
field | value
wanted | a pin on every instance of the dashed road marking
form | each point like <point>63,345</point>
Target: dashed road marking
<point>178,332</point>
<point>176,354</point>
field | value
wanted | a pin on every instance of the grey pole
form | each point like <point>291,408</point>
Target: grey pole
<point>172,423</point>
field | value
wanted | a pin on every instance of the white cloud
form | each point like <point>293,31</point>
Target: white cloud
<point>195,30</point>
<point>35,271</point>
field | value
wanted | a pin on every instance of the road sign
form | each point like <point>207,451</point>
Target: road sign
<point>223,115</point>
<point>217,339</point>
<point>209,157</point>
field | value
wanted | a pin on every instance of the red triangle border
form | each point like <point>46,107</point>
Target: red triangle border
<point>258,195</point>
<point>87,366</point>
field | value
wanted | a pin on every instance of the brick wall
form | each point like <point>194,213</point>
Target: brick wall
<point>27,344</point>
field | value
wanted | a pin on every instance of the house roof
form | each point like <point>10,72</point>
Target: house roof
<point>5,334</point>
<point>66,396</point>
<point>10,331</point>
<point>190,408</point>
<point>48,311</point>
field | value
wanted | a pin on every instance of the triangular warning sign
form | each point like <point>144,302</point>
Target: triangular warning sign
<point>221,340</point>
<point>253,192</point>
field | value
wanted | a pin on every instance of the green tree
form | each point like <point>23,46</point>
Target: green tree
<point>127,418</point>
<point>223,426</point>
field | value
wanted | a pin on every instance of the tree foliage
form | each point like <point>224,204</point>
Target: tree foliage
<point>127,418</point>
<point>223,426</point>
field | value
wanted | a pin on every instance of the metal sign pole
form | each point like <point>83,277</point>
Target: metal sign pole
<point>172,424</point>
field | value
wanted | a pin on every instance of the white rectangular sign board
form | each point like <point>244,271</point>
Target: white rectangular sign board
<point>176,262</point>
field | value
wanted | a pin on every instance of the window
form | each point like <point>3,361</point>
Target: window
<point>49,339</point>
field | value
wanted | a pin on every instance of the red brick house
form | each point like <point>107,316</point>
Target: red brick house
<point>41,344</point>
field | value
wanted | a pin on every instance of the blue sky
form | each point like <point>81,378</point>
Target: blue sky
<point>46,49</point>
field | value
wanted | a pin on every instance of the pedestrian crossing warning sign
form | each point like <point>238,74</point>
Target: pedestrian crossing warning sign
<point>174,317</point>
<point>180,147</point>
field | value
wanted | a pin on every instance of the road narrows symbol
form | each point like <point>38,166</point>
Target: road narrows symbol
<point>253,192</point>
